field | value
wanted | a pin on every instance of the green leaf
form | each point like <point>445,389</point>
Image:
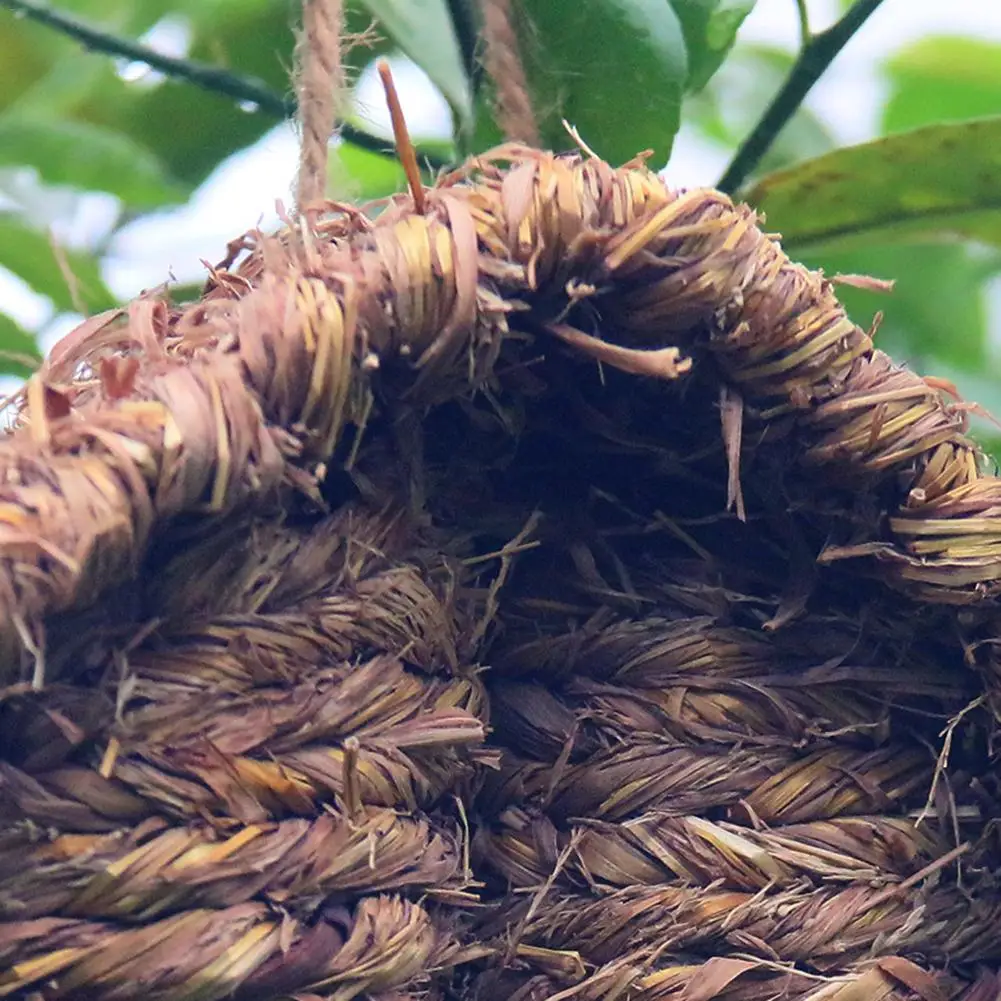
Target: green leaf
<point>71,69</point>
<point>210,17</point>
<point>615,69</point>
<point>991,444</point>
<point>935,320</point>
<point>28,51</point>
<point>424,31</point>
<point>487,133</point>
<point>942,179</point>
<point>31,51</point>
<point>186,292</point>
<point>188,130</point>
<point>18,349</point>
<point>86,157</point>
<point>710,29</point>
<point>360,175</point>
<point>737,96</point>
<point>937,309</point>
<point>942,79</point>
<point>29,254</point>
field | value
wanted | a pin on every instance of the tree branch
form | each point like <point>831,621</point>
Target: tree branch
<point>208,78</point>
<point>818,52</point>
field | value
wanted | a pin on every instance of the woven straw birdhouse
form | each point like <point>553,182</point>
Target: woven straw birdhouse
<point>546,591</point>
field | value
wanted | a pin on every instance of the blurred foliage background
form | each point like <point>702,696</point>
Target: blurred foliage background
<point>92,140</point>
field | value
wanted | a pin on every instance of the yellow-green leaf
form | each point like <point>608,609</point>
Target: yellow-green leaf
<point>361,175</point>
<point>29,254</point>
<point>942,180</point>
<point>615,69</point>
<point>942,79</point>
<point>86,157</point>
<point>424,31</point>
<point>19,352</point>
<point>937,309</point>
<point>737,96</point>
<point>710,29</point>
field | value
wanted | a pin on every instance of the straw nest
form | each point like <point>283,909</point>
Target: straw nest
<point>549,593</point>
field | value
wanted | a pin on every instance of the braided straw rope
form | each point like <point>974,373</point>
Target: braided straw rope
<point>675,791</point>
<point>255,802</point>
<point>655,849</point>
<point>731,979</point>
<point>383,943</point>
<point>827,929</point>
<point>219,403</point>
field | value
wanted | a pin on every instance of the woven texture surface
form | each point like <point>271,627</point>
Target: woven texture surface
<point>552,594</point>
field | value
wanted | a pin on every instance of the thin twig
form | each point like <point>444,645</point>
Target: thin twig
<point>899,889</point>
<point>814,57</point>
<point>208,78</point>
<point>541,893</point>
<point>352,789</point>
<point>804,23</point>
<point>404,146</point>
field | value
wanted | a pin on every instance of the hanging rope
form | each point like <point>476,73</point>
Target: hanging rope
<point>502,60</point>
<point>319,85</point>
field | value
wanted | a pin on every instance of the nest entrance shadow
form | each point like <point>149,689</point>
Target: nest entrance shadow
<point>550,594</point>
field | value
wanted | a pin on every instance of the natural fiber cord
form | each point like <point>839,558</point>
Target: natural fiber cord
<point>320,83</point>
